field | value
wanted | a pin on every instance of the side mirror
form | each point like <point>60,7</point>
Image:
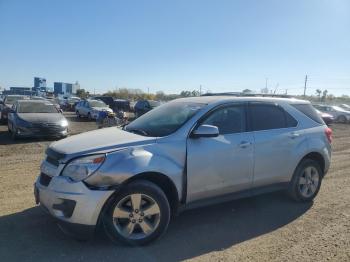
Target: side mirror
<point>205,131</point>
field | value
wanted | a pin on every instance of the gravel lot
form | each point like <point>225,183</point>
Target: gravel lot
<point>264,228</point>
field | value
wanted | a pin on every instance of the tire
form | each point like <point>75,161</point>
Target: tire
<point>78,114</point>
<point>306,181</point>
<point>342,119</point>
<point>89,116</point>
<point>120,214</point>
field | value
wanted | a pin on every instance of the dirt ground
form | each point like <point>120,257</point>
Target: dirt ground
<point>264,228</point>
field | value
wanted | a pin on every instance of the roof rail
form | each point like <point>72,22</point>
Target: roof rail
<point>246,94</point>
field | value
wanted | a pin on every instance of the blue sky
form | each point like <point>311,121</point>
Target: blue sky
<point>178,45</point>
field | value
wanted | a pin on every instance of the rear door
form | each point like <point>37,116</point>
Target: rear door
<point>224,164</point>
<point>275,140</point>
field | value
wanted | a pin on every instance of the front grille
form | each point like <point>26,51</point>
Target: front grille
<point>46,128</point>
<point>44,179</point>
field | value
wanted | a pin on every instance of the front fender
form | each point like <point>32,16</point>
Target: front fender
<point>121,165</point>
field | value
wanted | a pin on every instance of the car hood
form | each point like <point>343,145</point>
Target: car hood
<point>325,115</point>
<point>102,109</point>
<point>41,117</point>
<point>97,141</point>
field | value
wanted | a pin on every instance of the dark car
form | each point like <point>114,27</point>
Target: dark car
<point>36,118</point>
<point>108,100</point>
<point>327,118</point>
<point>143,106</point>
<point>121,105</point>
<point>6,104</point>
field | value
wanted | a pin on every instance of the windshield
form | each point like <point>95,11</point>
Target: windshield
<point>97,104</point>
<point>338,108</point>
<point>27,107</point>
<point>13,99</point>
<point>165,119</point>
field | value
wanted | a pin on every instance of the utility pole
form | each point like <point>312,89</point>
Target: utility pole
<point>305,86</point>
<point>200,90</point>
<point>147,90</point>
<point>266,82</point>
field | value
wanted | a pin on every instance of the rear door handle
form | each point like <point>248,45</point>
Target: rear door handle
<point>294,135</point>
<point>244,144</point>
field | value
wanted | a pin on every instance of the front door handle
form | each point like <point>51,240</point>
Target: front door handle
<point>244,144</point>
<point>294,135</point>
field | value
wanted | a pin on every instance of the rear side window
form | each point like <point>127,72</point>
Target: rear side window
<point>269,116</point>
<point>309,111</point>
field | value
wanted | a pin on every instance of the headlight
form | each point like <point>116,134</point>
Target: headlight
<point>64,123</point>
<point>83,167</point>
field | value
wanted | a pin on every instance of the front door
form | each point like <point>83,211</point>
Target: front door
<point>224,164</point>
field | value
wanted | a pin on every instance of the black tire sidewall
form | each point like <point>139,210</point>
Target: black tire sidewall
<point>294,190</point>
<point>143,187</point>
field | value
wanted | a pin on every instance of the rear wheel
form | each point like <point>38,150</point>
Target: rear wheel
<point>89,116</point>
<point>306,181</point>
<point>139,214</point>
<point>78,114</point>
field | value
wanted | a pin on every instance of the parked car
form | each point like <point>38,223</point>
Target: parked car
<point>143,106</point>
<point>91,108</point>
<point>345,107</point>
<point>36,118</point>
<point>327,118</point>
<point>121,105</point>
<point>339,114</point>
<point>184,154</point>
<point>108,100</point>
<point>6,105</point>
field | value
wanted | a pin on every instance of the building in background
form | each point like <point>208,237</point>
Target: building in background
<point>61,88</point>
<point>39,84</point>
<point>19,90</point>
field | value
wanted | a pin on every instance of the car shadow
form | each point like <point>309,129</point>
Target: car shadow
<point>33,235</point>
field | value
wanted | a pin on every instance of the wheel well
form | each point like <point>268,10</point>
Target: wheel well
<point>317,157</point>
<point>164,183</point>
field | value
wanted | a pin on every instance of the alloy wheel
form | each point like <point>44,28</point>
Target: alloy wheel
<point>136,216</point>
<point>309,181</point>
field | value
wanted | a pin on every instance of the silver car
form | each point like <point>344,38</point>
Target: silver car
<point>91,108</point>
<point>340,114</point>
<point>184,154</point>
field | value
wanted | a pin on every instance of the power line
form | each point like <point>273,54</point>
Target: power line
<point>305,86</point>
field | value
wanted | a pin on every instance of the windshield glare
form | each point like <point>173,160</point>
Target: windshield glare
<point>164,120</point>
<point>36,108</point>
<point>97,104</point>
<point>13,99</point>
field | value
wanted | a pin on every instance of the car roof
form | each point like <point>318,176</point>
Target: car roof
<point>218,99</point>
<point>35,101</point>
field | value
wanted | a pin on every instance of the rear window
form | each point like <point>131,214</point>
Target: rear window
<point>309,111</point>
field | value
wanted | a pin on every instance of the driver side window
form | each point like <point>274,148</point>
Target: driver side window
<point>229,119</point>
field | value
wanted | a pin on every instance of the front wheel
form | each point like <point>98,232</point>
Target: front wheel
<point>342,119</point>
<point>139,214</point>
<point>306,181</point>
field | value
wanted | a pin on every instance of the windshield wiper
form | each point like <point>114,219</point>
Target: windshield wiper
<point>137,131</point>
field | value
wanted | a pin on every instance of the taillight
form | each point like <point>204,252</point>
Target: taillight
<point>328,132</point>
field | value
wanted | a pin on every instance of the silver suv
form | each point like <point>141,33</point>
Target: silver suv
<point>186,153</point>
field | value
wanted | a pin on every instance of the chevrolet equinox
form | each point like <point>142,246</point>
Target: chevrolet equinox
<point>183,154</point>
